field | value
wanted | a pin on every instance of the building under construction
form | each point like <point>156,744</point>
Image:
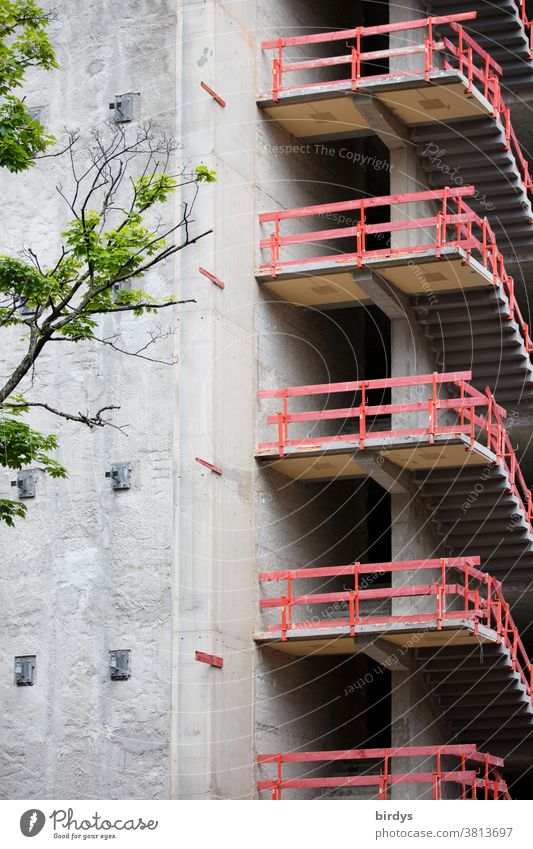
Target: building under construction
<point>309,572</point>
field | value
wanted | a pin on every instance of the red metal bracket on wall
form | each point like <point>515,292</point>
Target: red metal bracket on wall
<point>211,659</point>
<point>212,277</point>
<point>213,94</point>
<point>216,469</point>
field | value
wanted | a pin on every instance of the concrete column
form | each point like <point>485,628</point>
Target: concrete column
<point>413,717</point>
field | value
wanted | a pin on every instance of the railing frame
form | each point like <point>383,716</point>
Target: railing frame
<point>457,228</point>
<point>526,23</point>
<point>489,607</point>
<point>486,778</point>
<point>486,78</point>
<point>428,48</point>
<point>488,426</point>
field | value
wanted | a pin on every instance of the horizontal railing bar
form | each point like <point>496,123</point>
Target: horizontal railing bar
<point>381,410</point>
<point>368,385</point>
<point>372,229</point>
<point>371,78</point>
<point>346,59</point>
<point>469,750</point>
<point>341,35</point>
<point>353,258</point>
<point>462,777</point>
<point>378,621</point>
<point>371,568</point>
<point>379,593</point>
<point>367,203</point>
<point>317,442</point>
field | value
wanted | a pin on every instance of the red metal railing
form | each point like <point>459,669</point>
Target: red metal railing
<point>486,778</point>
<point>468,57</point>
<point>455,226</point>
<point>480,596</point>
<point>526,23</point>
<point>487,428</point>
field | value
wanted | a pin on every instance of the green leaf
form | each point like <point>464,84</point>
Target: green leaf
<point>24,44</point>
<point>11,510</point>
<point>22,446</point>
<point>204,174</point>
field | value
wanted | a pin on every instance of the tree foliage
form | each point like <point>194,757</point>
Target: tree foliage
<point>115,187</point>
<point>20,446</point>
<point>24,44</point>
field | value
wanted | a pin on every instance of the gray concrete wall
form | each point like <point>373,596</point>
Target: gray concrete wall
<point>414,715</point>
<point>223,342</point>
<point>89,569</point>
<point>170,567</point>
<point>298,524</point>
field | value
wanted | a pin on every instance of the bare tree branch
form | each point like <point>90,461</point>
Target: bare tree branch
<point>111,342</point>
<point>96,185</point>
<point>91,421</point>
<point>72,140</point>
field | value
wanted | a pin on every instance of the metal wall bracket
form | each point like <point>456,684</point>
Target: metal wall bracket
<point>117,288</point>
<point>25,670</point>
<point>35,113</point>
<point>123,107</point>
<point>21,304</point>
<point>119,665</point>
<point>120,475</point>
<point>26,482</point>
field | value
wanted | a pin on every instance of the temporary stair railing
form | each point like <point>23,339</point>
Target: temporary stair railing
<point>465,52</point>
<point>526,23</point>
<point>439,53</point>
<point>459,591</point>
<point>479,418</point>
<point>454,226</point>
<point>477,775</point>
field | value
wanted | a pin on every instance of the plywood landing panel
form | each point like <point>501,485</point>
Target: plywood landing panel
<point>433,103</point>
<point>317,289</point>
<point>304,648</point>
<point>442,455</point>
<point>460,635</point>
<point>443,275</point>
<point>332,110</point>
<point>319,467</point>
<point>319,117</point>
<point>411,273</point>
<point>446,637</point>
<point>315,463</point>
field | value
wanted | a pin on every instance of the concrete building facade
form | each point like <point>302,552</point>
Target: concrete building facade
<point>408,312</point>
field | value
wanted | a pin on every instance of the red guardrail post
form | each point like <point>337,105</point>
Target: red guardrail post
<point>428,50</point>
<point>362,417</point>
<point>385,774</point>
<point>276,790</point>
<point>277,72</point>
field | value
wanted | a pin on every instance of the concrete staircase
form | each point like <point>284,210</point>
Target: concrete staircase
<point>492,526</point>
<point>474,151</point>
<point>472,329</point>
<point>482,699</point>
<point>498,29</point>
